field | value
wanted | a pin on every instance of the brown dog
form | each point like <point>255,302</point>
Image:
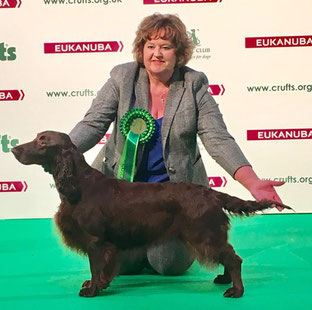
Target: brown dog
<point>100,215</point>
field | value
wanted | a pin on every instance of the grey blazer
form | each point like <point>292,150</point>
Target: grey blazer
<point>190,111</point>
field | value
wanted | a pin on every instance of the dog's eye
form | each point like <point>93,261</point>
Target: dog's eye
<point>42,140</point>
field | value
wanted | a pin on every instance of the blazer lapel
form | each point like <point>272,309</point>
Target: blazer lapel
<point>175,94</point>
<point>142,90</point>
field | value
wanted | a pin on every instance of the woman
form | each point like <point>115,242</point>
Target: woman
<point>176,96</point>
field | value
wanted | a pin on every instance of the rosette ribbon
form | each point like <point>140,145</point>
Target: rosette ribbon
<point>137,126</point>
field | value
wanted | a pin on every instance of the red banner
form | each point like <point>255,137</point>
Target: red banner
<point>83,47</point>
<point>105,139</point>
<point>285,41</point>
<point>10,4</point>
<point>216,90</point>
<point>11,95</point>
<point>217,181</point>
<point>279,134</point>
<point>178,1</point>
<point>13,187</point>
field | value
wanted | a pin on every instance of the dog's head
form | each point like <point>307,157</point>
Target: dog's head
<point>43,149</point>
<point>54,151</point>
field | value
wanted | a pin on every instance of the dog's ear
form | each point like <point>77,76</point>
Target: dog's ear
<point>66,179</point>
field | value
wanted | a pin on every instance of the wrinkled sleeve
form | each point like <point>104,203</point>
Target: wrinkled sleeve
<point>98,118</point>
<point>213,132</point>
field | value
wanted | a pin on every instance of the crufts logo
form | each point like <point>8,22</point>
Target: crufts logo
<point>7,143</point>
<point>7,53</point>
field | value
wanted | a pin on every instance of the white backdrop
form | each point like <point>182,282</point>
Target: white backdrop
<point>260,84</point>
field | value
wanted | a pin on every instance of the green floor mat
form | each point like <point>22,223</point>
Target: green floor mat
<point>37,271</point>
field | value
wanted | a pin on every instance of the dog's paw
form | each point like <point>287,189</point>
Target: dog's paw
<point>222,279</point>
<point>86,284</point>
<point>88,292</point>
<point>234,292</point>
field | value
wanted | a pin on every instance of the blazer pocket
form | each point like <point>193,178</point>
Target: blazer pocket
<point>109,167</point>
<point>186,110</point>
<point>197,160</point>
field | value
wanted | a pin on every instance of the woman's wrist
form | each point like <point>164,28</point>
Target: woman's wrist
<point>246,176</point>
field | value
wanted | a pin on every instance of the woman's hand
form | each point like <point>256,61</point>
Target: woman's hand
<point>259,189</point>
<point>264,190</point>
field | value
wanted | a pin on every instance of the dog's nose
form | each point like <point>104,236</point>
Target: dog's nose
<point>16,151</point>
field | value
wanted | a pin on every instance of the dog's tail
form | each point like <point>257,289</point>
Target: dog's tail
<point>238,206</point>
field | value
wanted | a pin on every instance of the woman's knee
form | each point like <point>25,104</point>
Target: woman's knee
<point>132,261</point>
<point>170,258</point>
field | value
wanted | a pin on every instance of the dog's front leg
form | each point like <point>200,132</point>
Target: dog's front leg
<point>224,278</point>
<point>103,266</point>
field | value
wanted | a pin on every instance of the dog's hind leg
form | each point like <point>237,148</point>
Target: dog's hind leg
<point>103,266</point>
<point>219,252</point>
<point>232,270</point>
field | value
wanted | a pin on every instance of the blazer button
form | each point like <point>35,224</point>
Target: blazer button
<point>171,170</point>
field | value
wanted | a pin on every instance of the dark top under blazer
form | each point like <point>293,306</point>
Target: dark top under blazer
<point>190,111</point>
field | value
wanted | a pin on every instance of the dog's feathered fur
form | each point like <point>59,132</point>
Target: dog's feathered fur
<point>100,215</point>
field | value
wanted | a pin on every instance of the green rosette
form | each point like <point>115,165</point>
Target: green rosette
<point>137,126</point>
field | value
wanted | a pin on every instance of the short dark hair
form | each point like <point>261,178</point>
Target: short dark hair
<point>174,31</point>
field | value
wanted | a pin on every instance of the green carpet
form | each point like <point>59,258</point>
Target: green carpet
<point>37,271</point>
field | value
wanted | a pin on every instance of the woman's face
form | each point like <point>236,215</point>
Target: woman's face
<point>159,57</point>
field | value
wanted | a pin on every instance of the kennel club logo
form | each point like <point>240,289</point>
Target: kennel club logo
<point>286,41</point>
<point>200,52</point>
<point>178,1</point>
<point>13,187</point>
<point>83,47</point>
<point>279,134</point>
<point>9,4</point>
<point>11,95</point>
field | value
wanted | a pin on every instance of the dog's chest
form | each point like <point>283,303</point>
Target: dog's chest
<point>72,234</point>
